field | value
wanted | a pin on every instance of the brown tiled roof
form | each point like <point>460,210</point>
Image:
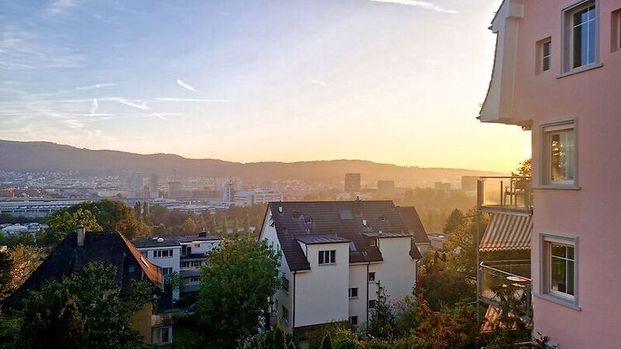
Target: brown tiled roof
<point>415,226</point>
<point>300,220</point>
<point>110,248</point>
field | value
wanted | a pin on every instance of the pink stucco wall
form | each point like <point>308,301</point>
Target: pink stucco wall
<point>593,213</point>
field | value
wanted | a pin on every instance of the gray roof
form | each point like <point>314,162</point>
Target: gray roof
<point>348,220</point>
<point>321,239</point>
<point>172,241</point>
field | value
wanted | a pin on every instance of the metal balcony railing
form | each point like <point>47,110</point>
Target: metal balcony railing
<point>505,194</point>
<point>507,283</point>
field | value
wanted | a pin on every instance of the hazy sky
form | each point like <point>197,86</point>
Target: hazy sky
<point>395,81</point>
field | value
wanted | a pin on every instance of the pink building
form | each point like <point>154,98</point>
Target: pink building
<point>557,73</point>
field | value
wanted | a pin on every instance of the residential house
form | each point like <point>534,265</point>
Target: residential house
<point>556,73</point>
<point>337,258</point>
<point>179,254</point>
<point>79,249</point>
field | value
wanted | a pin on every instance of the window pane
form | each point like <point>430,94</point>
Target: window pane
<point>558,281</point>
<point>570,277</point>
<point>546,49</point>
<point>546,63</point>
<point>562,156</point>
<point>559,251</point>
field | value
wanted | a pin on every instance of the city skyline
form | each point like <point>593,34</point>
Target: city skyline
<point>257,81</point>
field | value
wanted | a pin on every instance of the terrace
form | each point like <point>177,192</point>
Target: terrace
<point>505,194</point>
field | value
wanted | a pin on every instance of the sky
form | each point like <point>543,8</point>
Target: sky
<point>391,81</point>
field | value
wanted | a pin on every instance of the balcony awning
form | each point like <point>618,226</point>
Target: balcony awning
<point>506,232</point>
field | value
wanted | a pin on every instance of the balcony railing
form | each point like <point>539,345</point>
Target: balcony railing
<point>505,283</point>
<point>505,194</point>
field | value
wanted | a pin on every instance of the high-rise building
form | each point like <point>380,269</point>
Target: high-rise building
<point>228,191</point>
<point>174,189</point>
<point>135,186</point>
<point>352,182</point>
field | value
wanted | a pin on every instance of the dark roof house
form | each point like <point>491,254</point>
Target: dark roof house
<point>358,222</point>
<point>79,249</point>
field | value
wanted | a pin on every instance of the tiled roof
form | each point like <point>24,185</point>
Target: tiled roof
<point>349,220</point>
<point>415,226</point>
<point>110,248</point>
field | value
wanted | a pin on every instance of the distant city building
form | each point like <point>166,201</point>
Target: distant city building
<point>385,186</point>
<point>352,182</point>
<point>228,191</point>
<point>469,183</point>
<point>442,186</point>
<point>256,196</point>
<point>175,189</point>
<point>135,186</point>
<point>154,185</point>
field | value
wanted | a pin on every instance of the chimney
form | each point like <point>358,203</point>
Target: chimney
<point>81,235</point>
<point>203,233</point>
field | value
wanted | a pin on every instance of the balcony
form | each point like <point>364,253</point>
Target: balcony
<point>507,284</point>
<point>505,195</point>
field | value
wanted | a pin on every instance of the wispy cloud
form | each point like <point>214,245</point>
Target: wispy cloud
<point>426,5</point>
<point>130,103</point>
<point>319,82</point>
<point>60,6</point>
<point>185,85</point>
<point>203,100</point>
<point>94,87</point>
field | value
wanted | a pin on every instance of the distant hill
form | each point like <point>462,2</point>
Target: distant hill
<point>46,156</point>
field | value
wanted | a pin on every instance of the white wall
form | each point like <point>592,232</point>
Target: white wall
<point>165,262</point>
<point>358,278</point>
<point>397,273</point>
<point>322,293</point>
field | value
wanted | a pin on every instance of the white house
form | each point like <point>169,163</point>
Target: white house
<point>179,254</point>
<point>336,256</point>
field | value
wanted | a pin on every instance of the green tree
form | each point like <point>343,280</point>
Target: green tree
<point>65,222</point>
<point>326,343</point>
<point>83,311</point>
<point>24,260</point>
<point>382,323</point>
<point>5,273</point>
<point>189,226</point>
<point>454,220</point>
<point>235,286</point>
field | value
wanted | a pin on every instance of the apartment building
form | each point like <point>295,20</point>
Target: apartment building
<point>556,73</point>
<point>179,254</point>
<point>337,257</point>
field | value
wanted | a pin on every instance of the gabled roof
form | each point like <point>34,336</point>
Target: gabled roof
<point>110,248</point>
<point>415,226</point>
<point>342,220</point>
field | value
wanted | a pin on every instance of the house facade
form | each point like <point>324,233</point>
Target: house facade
<point>179,254</point>
<point>556,73</point>
<point>337,258</point>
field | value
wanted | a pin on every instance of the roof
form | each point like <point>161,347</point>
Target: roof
<point>172,241</point>
<point>110,248</point>
<point>335,221</point>
<point>507,232</point>
<point>321,239</point>
<point>415,225</point>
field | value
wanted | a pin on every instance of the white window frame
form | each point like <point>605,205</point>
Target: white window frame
<point>545,144</point>
<point>546,242</point>
<point>326,257</point>
<point>568,43</point>
<point>369,276</point>
<point>541,56</point>
<point>615,31</point>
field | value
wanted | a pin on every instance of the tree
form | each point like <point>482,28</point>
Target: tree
<point>189,226</point>
<point>83,311</point>
<point>65,222</point>
<point>326,343</point>
<point>462,245</point>
<point>382,322</point>
<point>525,169</point>
<point>5,273</point>
<point>454,220</point>
<point>235,286</point>
<point>24,260</point>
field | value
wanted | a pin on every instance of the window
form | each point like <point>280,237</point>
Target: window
<point>194,279</point>
<point>615,34</point>
<point>167,271</point>
<point>559,156</point>
<point>371,276</point>
<point>353,320</point>
<point>327,257</point>
<point>160,335</point>
<point>372,303</point>
<point>285,283</point>
<point>163,253</point>
<point>559,263</point>
<point>185,264</point>
<point>197,245</point>
<point>544,52</point>
<point>581,35</point>
<point>353,292</point>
